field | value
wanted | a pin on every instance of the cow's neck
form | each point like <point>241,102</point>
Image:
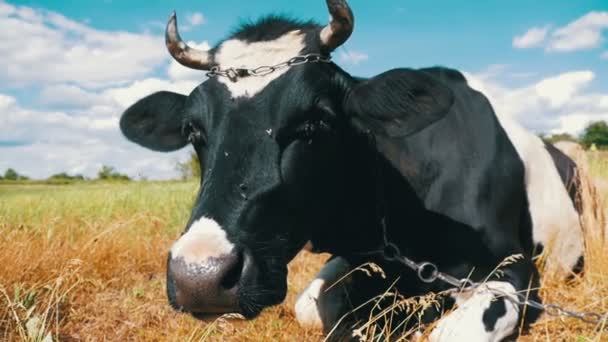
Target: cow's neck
<point>359,230</point>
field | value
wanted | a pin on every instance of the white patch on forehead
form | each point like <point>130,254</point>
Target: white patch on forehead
<point>236,53</point>
<point>466,322</point>
<point>205,239</point>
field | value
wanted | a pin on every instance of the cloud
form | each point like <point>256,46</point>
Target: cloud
<point>126,96</point>
<point>68,96</point>
<point>583,33</point>
<point>50,142</point>
<point>193,20</point>
<point>84,135</point>
<point>84,79</point>
<point>196,19</point>
<point>532,38</point>
<point>353,57</point>
<point>559,103</point>
<point>44,46</point>
<point>604,55</point>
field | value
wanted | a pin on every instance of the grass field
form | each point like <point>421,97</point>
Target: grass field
<point>86,262</point>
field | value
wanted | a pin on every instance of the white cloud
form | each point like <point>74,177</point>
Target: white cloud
<point>561,89</point>
<point>532,38</point>
<point>43,46</point>
<point>559,103</point>
<point>583,33</point>
<point>196,19</point>
<point>126,96</point>
<point>84,79</point>
<point>193,20</point>
<point>353,57</point>
<point>55,141</point>
<point>604,55</point>
<point>69,96</point>
<point>6,101</point>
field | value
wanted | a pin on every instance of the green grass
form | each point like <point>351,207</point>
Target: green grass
<point>26,206</point>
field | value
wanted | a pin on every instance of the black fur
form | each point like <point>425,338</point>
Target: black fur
<point>156,122</point>
<point>567,170</point>
<point>270,27</point>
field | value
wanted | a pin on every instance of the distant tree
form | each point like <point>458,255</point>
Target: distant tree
<point>66,176</point>
<point>110,173</point>
<point>595,133</point>
<point>12,175</point>
<point>190,168</point>
<point>558,137</point>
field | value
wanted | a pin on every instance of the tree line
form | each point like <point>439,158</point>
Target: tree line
<point>595,136</point>
<point>106,173</point>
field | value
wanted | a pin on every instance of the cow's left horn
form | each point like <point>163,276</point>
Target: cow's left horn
<point>185,55</point>
<point>340,26</point>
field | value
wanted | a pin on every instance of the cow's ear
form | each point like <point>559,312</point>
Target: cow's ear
<point>156,122</point>
<point>399,102</point>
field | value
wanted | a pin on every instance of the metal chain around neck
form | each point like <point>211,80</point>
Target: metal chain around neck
<point>235,73</point>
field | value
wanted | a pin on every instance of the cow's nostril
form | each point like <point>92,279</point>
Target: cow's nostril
<point>233,275</point>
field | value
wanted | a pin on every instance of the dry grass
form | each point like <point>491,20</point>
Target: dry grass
<point>86,262</point>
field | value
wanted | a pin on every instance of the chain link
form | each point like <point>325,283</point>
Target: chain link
<point>235,73</point>
<point>428,272</point>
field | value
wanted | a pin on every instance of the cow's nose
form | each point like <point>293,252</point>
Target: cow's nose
<point>209,287</point>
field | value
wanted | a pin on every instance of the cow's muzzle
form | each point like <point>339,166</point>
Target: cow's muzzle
<point>210,287</point>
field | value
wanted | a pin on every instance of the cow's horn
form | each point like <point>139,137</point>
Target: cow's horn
<point>185,55</point>
<point>340,26</point>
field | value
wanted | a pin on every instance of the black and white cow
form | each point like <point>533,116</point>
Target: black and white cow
<point>308,153</point>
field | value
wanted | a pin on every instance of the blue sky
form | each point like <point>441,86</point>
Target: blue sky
<point>545,63</point>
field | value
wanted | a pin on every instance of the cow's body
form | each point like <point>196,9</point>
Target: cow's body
<point>539,175</point>
<point>310,153</point>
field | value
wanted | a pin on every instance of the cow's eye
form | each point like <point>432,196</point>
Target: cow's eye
<point>194,134</point>
<point>311,128</point>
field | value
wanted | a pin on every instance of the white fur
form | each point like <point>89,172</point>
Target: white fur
<point>466,322</point>
<point>205,239</point>
<point>555,220</point>
<point>236,53</point>
<point>307,312</point>
<point>310,306</point>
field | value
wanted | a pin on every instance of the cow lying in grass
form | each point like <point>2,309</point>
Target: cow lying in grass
<point>296,150</point>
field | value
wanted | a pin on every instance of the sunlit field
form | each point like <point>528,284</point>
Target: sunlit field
<point>87,262</point>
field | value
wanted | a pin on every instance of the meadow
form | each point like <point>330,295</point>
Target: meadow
<point>86,261</point>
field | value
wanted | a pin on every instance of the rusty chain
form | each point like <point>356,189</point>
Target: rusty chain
<point>235,73</point>
<point>428,273</point>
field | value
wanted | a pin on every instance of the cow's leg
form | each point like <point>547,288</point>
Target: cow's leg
<point>484,316</point>
<point>324,302</point>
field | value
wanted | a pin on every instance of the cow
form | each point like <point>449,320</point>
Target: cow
<point>295,150</point>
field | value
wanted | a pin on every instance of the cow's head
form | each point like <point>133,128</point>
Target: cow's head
<point>282,154</point>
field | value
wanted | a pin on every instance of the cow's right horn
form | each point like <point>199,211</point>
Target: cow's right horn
<point>340,26</point>
<point>185,55</point>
